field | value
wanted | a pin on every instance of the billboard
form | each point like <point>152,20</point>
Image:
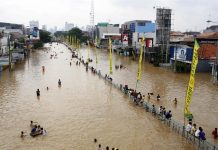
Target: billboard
<point>34,33</point>
<point>149,42</point>
<point>125,39</point>
<point>180,53</point>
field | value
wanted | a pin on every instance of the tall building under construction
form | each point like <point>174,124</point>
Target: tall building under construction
<point>163,28</point>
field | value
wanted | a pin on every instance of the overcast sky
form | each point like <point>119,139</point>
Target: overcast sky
<point>187,14</point>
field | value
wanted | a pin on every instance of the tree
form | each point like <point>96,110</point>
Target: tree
<point>45,36</point>
<point>76,32</point>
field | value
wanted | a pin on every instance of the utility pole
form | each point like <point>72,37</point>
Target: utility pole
<point>175,52</point>
<point>216,67</point>
<point>92,20</point>
<point>9,50</point>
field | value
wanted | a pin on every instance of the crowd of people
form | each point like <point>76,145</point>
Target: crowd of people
<point>36,130</point>
<point>100,147</point>
<point>191,128</point>
<point>138,99</point>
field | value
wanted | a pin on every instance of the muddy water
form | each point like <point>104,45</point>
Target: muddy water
<point>169,85</point>
<point>87,107</point>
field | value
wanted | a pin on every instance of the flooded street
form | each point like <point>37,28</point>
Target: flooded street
<point>87,107</point>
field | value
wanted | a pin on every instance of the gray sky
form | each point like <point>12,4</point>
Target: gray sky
<point>187,14</point>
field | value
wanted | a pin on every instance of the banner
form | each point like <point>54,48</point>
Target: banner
<point>89,47</point>
<point>191,84</point>
<point>96,51</point>
<point>125,39</point>
<point>110,46</point>
<point>140,60</point>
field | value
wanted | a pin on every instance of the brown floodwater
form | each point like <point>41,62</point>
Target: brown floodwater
<point>87,107</point>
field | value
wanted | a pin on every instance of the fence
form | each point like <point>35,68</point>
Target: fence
<point>171,123</point>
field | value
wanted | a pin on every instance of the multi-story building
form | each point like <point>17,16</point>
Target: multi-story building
<point>68,26</point>
<point>6,30</point>
<point>133,32</point>
<point>104,30</point>
<point>44,27</point>
<point>213,28</point>
<point>34,24</point>
<point>11,27</point>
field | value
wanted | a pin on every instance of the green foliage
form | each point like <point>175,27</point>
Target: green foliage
<point>38,44</point>
<point>72,34</point>
<point>45,36</point>
<point>76,32</point>
<point>84,39</point>
<point>21,40</point>
<point>182,67</point>
<point>60,33</point>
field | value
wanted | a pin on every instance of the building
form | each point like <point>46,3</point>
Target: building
<point>207,53</point>
<point>11,27</point>
<point>103,31</point>
<point>163,28</point>
<point>34,24</point>
<point>176,36</point>
<point>68,26</point>
<point>44,27</point>
<point>133,31</point>
<point>55,28</point>
<point>213,28</point>
<point>11,30</point>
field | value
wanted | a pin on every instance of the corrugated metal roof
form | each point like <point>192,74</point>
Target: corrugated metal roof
<point>207,51</point>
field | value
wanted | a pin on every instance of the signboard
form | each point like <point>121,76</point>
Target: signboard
<point>180,53</point>
<point>125,39</point>
<point>34,33</point>
<point>149,42</point>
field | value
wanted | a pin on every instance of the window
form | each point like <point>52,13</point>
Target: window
<point>141,24</point>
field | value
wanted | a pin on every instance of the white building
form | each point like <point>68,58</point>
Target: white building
<point>44,27</point>
<point>105,30</point>
<point>34,24</point>
<point>4,42</point>
<point>68,26</point>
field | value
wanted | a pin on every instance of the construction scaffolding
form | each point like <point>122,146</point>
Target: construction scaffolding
<point>163,28</point>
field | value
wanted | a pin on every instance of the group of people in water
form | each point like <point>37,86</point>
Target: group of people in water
<point>119,66</point>
<point>139,99</point>
<point>107,77</point>
<point>38,91</point>
<point>163,114</point>
<point>36,130</point>
<point>100,147</point>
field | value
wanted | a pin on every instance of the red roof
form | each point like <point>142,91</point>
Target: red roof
<point>207,51</point>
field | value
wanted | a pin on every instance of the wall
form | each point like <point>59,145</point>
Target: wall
<point>136,36</point>
<point>188,54</point>
<point>4,43</point>
<point>107,29</point>
<point>204,66</point>
<point>149,27</point>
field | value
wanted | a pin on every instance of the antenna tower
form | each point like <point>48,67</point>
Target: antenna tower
<point>92,19</point>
